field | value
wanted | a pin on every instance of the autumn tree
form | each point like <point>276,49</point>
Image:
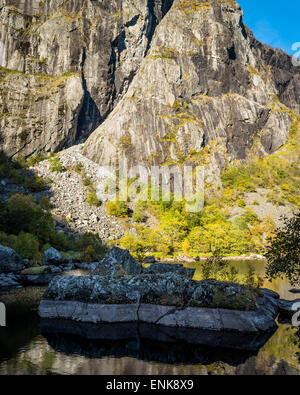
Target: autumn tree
<point>283,251</point>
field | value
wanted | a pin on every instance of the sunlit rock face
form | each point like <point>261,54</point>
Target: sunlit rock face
<point>167,81</point>
<point>207,92</point>
<point>66,64</point>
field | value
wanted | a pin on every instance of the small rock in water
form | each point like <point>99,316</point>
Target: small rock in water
<point>270,293</point>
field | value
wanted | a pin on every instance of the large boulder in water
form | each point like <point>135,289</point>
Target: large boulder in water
<point>118,262</point>
<point>170,268</point>
<point>10,261</point>
<point>164,299</point>
<point>166,289</point>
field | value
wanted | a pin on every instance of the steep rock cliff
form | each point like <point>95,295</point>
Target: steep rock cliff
<point>166,81</point>
<point>87,51</point>
<point>207,92</point>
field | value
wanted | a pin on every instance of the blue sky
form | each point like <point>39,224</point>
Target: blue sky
<point>273,22</point>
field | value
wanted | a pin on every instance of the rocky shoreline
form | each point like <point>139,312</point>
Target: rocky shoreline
<point>185,259</point>
<point>15,273</point>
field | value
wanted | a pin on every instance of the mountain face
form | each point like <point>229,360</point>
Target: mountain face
<point>157,82</point>
<point>206,92</point>
<point>65,65</point>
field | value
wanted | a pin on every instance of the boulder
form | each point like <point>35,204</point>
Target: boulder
<point>118,262</point>
<point>8,281</point>
<point>86,266</point>
<point>41,275</point>
<point>36,270</point>
<point>170,268</point>
<point>26,263</point>
<point>166,289</point>
<point>52,257</point>
<point>36,279</point>
<point>287,307</point>
<point>10,261</point>
<point>166,299</point>
<point>55,269</point>
<point>49,269</point>
<point>270,293</point>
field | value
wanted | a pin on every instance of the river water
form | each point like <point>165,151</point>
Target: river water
<point>26,348</point>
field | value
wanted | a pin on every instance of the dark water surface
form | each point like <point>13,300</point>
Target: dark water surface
<point>30,347</point>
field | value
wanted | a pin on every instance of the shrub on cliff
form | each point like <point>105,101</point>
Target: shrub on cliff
<point>92,199</point>
<point>55,165</point>
<point>117,209</point>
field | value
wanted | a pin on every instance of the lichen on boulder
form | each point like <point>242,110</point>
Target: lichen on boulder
<point>168,289</point>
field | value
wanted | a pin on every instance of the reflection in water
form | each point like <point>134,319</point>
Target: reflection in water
<point>139,332</point>
<point>151,343</point>
<point>137,349</point>
<point>39,357</point>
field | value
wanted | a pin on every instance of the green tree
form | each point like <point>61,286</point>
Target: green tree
<point>90,246</point>
<point>283,251</point>
<point>27,246</point>
<point>174,227</point>
<point>217,268</point>
<point>24,214</point>
<point>139,245</point>
<point>139,212</point>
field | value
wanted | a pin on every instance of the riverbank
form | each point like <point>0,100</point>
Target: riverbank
<point>185,259</point>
